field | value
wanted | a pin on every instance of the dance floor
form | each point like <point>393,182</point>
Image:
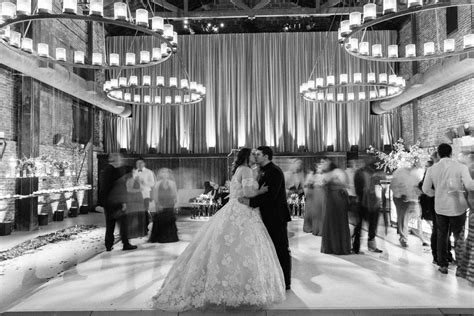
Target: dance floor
<point>399,281</point>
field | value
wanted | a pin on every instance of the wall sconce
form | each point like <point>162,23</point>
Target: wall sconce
<point>3,143</point>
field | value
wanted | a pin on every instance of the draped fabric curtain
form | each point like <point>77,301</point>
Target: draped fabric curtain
<point>117,132</point>
<point>252,98</point>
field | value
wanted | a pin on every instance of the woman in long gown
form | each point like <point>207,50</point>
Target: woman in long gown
<point>232,261</point>
<point>336,237</point>
<point>315,203</point>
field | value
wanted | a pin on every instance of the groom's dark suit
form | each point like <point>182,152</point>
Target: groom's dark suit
<point>275,214</point>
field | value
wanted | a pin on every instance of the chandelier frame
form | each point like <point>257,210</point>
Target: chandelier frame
<point>390,16</point>
<point>171,49</point>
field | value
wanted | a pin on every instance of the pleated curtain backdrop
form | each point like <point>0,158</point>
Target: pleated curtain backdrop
<point>252,83</point>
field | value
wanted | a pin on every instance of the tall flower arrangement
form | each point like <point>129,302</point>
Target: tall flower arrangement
<point>400,157</point>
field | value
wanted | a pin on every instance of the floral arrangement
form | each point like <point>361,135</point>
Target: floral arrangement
<point>293,199</point>
<point>399,157</point>
<point>26,163</point>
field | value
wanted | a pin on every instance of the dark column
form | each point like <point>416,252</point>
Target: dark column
<point>26,217</point>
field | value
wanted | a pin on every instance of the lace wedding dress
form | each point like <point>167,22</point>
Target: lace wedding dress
<point>231,261</point>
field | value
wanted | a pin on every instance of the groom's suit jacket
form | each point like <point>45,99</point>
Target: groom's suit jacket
<point>273,204</point>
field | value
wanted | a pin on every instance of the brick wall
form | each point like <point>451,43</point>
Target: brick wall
<point>406,113</point>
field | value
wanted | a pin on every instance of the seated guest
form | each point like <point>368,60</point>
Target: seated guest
<point>165,196</point>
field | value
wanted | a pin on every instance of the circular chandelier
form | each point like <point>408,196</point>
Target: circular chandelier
<point>352,32</point>
<point>11,15</point>
<point>357,90</point>
<point>157,92</point>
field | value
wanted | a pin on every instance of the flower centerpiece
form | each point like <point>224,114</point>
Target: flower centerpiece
<point>400,157</point>
<point>27,166</point>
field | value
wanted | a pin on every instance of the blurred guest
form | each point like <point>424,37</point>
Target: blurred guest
<point>466,261</point>
<point>405,190</point>
<point>315,201</point>
<point>165,196</point>
<point>336,238</point>
<point>368,203</point>
<point>146,179</point>
<point>223,194</point>
<point>294,178</point>
<point>137,217</point>
<point>112,200</point>
<point>450,180</point>
<point>354,207</point>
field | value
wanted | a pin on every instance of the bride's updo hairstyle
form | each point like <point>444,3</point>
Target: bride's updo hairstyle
<point>243,158</point>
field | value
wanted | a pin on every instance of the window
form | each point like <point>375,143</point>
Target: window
<point>451,20</point>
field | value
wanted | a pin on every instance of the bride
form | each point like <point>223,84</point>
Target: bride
<point>232,261</point>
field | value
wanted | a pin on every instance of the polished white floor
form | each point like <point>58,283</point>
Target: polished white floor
<point>397,279</point>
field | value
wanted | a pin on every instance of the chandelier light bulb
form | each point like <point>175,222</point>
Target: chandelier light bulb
<point>120,11</point>
<point>428,48</point>
<point>79,57</point>
<point>96,7</point>
<point>114,59</point>
<point>304,87</point>
<point>362,96</point>
<point>168,99</point>
<point>160,80</point>
<point>383,78</point>
<point>355,19</point>
<point>70,6</point>
<point>330,80</point>
<point>193,85</point>
<point>107,85</point>
<point>122,81</point>
<point>5,33</point>
<point>141,17</point>
<point>8,10</point>
<point>174,41</point>
<point>45,6</point>
<point>177,99</point>
<point>146,80</point>
<point>184,83</point>
<point>119,95</point>
<point>382,92</point>
<point>157,24</point>
<point>377,50</point>
<point>370,12</point>
<point>345,28</point>
<point>137,98</point>
<point>392,51</point>
<point>449,45</point>
<point>156,54</point>
<point>340,39</point>
<point>391,90</point>
<point>23,7</point>
<point>319,82</point>
<point>329,96</point>
<point>372,94</point>
<point>146,99</point>
<point>371,77</point>
<point>414,3</point>
<point>27,45</point>
<point>187,98</point>
<point>364,48</point>
<point>127,97</point>
<point>133,81</point>
<point>389,6</point>
<point>157,99</point>
<point>43,50</point>
<point>173,82</point>
<point>392,79</point>
<point>168,31</point>
<point>164,50</point>
<point>350,96</point>
<point>15,38</point>
<point>340,97</point>
<point>97,59</point>
<point>468,41</point>
<point>354,44</point>
<point>60,54</point>
<point>343,78</point>
<point>144,57</point>
<point>114,83</point>
<point>410,50</point>
<point>130,59</point>
<point>357,77</point>
<point>320,96</point>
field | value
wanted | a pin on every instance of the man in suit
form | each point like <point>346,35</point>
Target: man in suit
<point>111,200</point>
<point>273,208</point>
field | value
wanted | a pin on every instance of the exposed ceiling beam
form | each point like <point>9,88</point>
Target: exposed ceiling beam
<point>262,4</point>
<point>165,4</point>
<point>232,14</point>
<point>240,4</point>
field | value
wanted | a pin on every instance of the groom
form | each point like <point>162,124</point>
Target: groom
<point>273,207</point>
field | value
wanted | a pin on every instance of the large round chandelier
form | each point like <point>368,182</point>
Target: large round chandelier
<point>23,12</point>
<point>154,91</point>
<point>359,89</point>
<point>352,33</point>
